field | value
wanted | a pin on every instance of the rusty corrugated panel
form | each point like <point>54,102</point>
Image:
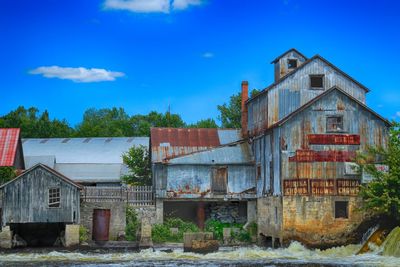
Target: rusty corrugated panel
<point>101,224</point>
<point>334,139</point>
<point>348,187</point>
<point>322,187</point>
<point>185,137</point>
<point>8,145</point>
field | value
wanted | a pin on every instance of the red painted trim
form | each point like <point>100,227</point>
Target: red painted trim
<point>334,139</point>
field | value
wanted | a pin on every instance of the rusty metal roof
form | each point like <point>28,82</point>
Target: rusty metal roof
<point>9,138</point>
<point>234,153</point>
<point>172,142</point>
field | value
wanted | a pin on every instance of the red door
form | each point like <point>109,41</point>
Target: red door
<point>101,224</point>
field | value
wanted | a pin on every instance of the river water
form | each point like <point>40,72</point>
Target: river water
<point>294,255</point>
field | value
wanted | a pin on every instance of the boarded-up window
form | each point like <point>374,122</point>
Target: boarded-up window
<point>54,197</point>
<point>292,63</point>
<point>219,180</point>
<point>341,209</point>
<point>317,81</point>
<point>334,124</point>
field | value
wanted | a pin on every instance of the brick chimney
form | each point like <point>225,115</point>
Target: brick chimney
<point>245,96</point>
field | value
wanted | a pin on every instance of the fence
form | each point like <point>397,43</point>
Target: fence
<point>135,195</point>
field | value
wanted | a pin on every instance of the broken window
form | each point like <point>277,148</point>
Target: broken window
<point>341,209</point>
<point>54,197</point>
<point>334,124</point>
<point>258,172</point>
<point>219,180</point>
<point>292,63</point>
<point>317,81</point>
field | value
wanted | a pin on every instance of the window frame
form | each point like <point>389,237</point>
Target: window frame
<point>289,61</point>
<point>51,197</point>
<point>328,130</point>
<point>322,76</point>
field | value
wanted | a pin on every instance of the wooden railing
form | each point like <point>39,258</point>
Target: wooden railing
<point>135,195</point>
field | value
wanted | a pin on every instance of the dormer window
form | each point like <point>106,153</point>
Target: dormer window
<point>317,81</point>
<point>292,63</point>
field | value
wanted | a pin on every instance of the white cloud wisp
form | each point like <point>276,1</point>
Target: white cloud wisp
<point>150,6</point>
<point>81,75</point>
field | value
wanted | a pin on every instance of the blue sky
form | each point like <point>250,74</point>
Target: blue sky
<point>144,55</point>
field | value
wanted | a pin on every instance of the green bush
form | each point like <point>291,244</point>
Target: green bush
<point>217,228</point>
<point>132,224</point>
<point>161,232</point>
<point>83,234</point>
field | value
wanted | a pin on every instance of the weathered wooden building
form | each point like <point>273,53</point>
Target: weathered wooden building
<point>41,206</point>
<point>203,173</point>
<point>305,130</point>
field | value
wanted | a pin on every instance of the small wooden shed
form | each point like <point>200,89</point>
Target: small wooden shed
<point>40,200</point>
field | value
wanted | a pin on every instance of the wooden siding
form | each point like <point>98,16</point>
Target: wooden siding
<point>25,200</point>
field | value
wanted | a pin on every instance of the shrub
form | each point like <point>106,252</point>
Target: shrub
<point>83,234</point>
<point>161,232</point>
<point>132,224</point>
<point>217,228</point>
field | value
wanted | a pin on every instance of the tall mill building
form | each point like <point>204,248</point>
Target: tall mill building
<point>305,130</point>
<point>291,169</point>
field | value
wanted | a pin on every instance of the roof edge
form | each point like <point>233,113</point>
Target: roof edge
<point>288,51</point>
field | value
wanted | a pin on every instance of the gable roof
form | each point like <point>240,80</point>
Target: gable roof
<point>302,66</point>
<point>48,169</point>
<point>288,51</point>
<point>315,99</point>
<point>9,139</point>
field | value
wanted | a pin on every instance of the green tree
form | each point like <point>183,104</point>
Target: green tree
<point>104,122</point>
<point>207,123</point>
<point>138,161</point>
<point>382,194</point>
<point>35,125</point>
<point>231,112</point>
<point>7,174</point>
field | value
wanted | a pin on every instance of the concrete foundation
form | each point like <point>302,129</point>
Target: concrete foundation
<point>6,237</point>
<point>269,220</point>
<point>252,211</point>
<point>71,235</point>
<point>159,211</point>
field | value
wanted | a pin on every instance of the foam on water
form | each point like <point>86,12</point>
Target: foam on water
<point>295,253</point>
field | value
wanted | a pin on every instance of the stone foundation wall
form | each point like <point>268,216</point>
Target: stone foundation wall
<point>311,220</point>
<point>269,218</point>
<point>228,212</point>
<point>117,219</point>
<point>147,214</point>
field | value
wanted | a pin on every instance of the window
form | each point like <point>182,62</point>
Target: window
<point>334,124</point>
<point>317,81</point>
<point>54,197</point>
<point>292,63</point>
<point>258,172</point>
<point>341,209</point>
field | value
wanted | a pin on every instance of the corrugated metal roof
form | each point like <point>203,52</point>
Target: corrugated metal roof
<point>172,142</point>
<point>82,150</point>
<point>8,145</point>
<point>82,159</point>
<point>238,153</point>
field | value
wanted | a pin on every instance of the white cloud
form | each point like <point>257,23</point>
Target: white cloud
<point>139,6</point>
<point>150,6</point>
<point>208,55</point>
<point>183,4</point>
<point>80,74</point>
